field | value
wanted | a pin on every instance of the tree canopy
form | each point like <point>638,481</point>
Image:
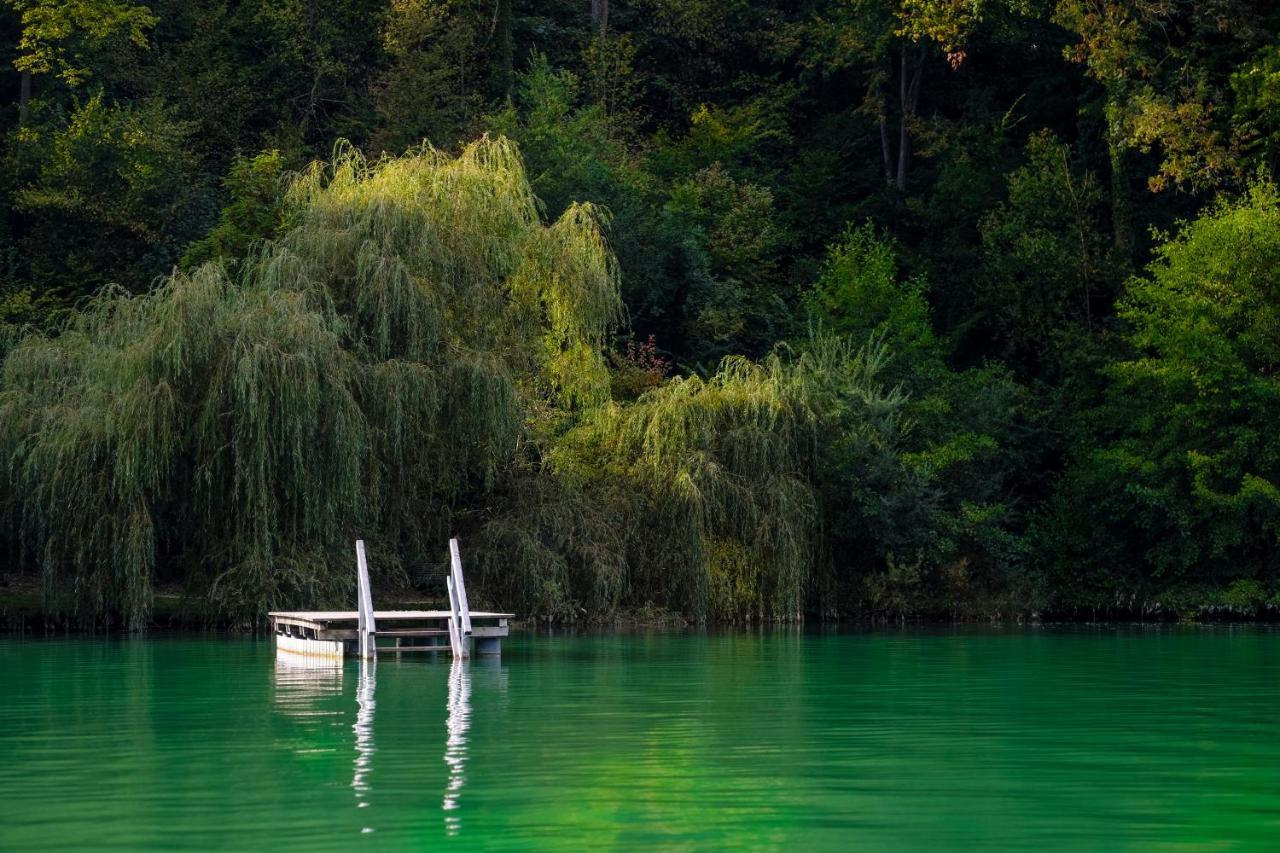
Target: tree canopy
<point>736,311</point>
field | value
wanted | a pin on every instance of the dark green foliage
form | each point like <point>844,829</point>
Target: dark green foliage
<point>256,211</point>
<point>915,484</point>
<point>1178,476</point>
<point>119,172</point>
<point>574,152</point>
<point>700,252</point>
<point>1046,276</point>
<point>738,304</point>
<point>433,85</point>
<point>875,252</point>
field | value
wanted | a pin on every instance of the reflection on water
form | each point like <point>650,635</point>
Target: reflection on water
<point>455,746</point>
<point>363,729</point>
<point>309,690</point>
<point>968,739</point>
<point>301,682</point>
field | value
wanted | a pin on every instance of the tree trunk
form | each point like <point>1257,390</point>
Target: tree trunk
<point>504,74</point>
<point>24,99</point>
<point>1083,228</point>
<point>903,139</point>
<point>600,16</point>
<point>910,72</point>
<point>884,150</point>
<point>909,95</point>
<point>1121,209</point>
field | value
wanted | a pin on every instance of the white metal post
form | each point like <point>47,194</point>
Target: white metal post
<point>455,559</point>
<point>364,606</point>
<point>455,633</point>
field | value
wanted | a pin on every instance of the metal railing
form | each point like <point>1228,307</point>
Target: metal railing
<point>459,611</point>
<point>366,626</point>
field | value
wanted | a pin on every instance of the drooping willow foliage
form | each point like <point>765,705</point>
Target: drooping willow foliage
<point>708,486</point>
<point>417,356</point>
<point>371,372</point>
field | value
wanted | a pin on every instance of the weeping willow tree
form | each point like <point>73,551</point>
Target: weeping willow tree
<point>371,372</point>
<point>709,485</point>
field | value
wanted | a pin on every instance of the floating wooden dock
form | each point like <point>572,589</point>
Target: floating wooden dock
<point>337,633</point>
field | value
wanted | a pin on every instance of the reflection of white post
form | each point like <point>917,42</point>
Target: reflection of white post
<point>363,729</point>
<point>364,606</point>
<point>455,745</point>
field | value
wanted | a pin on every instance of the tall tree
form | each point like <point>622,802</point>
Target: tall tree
<point>600,16</point>
<point>432,86</point>
<point>890,43</point>
<point>1165,69</point>
<point>59,36</point>
<point>62,38</point>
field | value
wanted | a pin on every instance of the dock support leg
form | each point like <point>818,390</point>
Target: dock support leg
<point>488,646</point>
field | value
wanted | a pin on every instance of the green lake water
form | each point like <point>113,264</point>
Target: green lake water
<point>1071,738</point>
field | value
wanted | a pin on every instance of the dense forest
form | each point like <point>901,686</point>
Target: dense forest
<point>738,310</point>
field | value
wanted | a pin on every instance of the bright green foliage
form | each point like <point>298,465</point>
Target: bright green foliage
<point>364,374</point>
<point>121,173</point>
<point>256,211</point>
<point>797,484</point>
<point>1256,86</point>
<point>59,35</point>
<point>946,23</point>
<point>1182,487</point>
<point>610,70</point>
<point>767,490</point>
<point>860,294</point>
<point>709,484</point>
<point>738,304</point>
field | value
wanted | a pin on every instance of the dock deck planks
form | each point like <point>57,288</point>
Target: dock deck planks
<point>412,626</point>
<point>389,615</point>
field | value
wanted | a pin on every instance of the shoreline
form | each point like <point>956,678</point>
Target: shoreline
<point>23,612</point>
